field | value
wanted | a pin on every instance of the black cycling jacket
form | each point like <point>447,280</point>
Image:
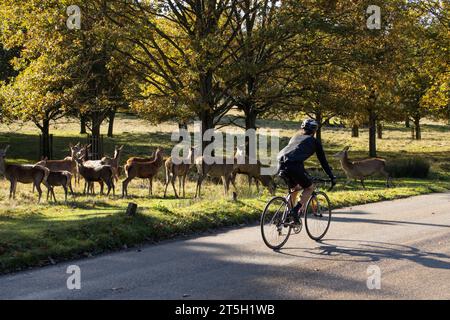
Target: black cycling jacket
<point>300,148</point>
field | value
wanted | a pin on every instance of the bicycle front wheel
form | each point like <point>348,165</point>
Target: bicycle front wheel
<point>273,229</point>
<point>318,216</point>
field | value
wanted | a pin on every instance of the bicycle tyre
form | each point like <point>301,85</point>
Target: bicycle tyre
<point>266,215</point>
<point>320,198</point>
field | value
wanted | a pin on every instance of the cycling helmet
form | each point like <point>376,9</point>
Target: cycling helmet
<point>310,125</point>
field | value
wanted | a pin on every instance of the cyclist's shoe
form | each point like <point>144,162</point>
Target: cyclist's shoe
<point>294,213</point>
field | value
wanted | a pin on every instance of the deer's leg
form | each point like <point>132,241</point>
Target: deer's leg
<point>362,183</point>
<point>166,185</point>
<point>108,184</point>
<point>198,187</point>
<point>11,189</point>
<point>233,183</point>
<point>39,190</point>
<point>172,181</point>
<point>150,186</point>
<point>125,187</point>
<point>54,196</point>
<point>257,184</point>
<point>225,182</point>
<point>184,185</point>
<point>70,187</point>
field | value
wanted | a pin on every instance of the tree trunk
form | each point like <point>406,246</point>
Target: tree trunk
<point>417,127</point>
<point>207,123</point>
<point>182,126</point>
<point>96,148</point>
<point>355,131</point>
<point>372,133</point>
<point>83,125</point>
<point>250,123</point>
<point>407,124</point>
<point>111,116</point>
<point>45,130</point>
<point>379,130</point>
<point>319,120</point>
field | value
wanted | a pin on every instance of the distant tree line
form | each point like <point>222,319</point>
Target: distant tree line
<point>195,60</point>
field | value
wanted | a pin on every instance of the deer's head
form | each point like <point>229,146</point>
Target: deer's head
<point>117,151</point>
<point>342,154</point>
<point>2,159</point>
<point>159,154</point>
<point>3,152</point>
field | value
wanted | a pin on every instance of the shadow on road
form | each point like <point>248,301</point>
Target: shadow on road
<point>371,251</point>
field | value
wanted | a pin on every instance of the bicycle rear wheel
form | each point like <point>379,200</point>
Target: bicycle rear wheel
<point>273,230</point>
<point>318,216</point>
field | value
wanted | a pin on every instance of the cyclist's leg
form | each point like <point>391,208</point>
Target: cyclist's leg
<point>306,183</point>
<point>306,194</point>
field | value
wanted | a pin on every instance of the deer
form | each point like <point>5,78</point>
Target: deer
<point>114,161</point>
<point>59,178</point>
<point>222,170</point>
<point>75,152</point>
<point>140,159</point>
<point>178,170</point>
<point>362,168</point>
<point>102,174</point>
<point>26,174</point>
<point>143,170</point>
<point>252,171</point>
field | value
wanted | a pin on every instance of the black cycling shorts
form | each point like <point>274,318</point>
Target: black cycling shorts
<point>294,174</point>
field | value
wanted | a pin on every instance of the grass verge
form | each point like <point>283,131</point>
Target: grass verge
<point>32,235</point>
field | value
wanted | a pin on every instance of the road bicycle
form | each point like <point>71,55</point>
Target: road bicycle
<point>277,225</point>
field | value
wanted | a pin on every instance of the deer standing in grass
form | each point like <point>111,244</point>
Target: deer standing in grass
<point>59,178</point>
<point>363,168</point>
<point>222,170</point>
<point>114,161</point>
<point>22,173</point>
<point>102,174</point>
<point>143,170</point>
<point>140,159</point>
<point>252,171</point>
<point>179,170</point>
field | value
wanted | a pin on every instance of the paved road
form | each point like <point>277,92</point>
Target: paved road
<point>409,240</point>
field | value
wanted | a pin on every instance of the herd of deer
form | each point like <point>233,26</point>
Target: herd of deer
<point>54,173</point>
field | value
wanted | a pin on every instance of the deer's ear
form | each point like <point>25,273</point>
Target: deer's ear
<point>6,148</point>
<point>346,148</point>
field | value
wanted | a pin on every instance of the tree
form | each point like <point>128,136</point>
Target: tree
<point>39,94</point>
<point>180,55</point>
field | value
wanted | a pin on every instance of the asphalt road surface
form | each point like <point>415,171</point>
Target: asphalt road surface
<point>408,240</point>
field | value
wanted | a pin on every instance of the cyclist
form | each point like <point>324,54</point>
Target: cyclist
<point>291,168</point>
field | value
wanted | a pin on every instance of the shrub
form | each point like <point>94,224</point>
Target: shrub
<point>408,168</point>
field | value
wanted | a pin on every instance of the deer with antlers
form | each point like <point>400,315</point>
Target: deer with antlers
<point>26,174</point>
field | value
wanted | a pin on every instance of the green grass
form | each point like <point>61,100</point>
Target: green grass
<point>34,235</point>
